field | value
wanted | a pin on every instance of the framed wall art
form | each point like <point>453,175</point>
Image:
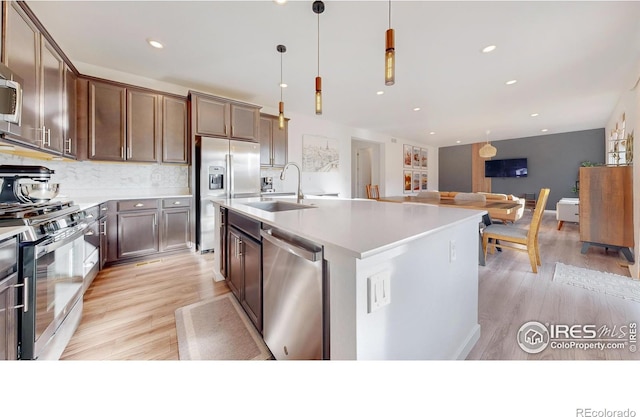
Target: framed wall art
<point>320,154</point>
<point>406,187</point>
<point>423,181</point>
<point>416,181</point>
<point>416,157</point>
<point>407,155</point>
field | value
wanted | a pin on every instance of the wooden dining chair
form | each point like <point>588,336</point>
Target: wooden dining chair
<point>373,192</point>
<point>515,237</point>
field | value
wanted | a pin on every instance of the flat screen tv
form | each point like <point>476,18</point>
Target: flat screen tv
<point>496,168</point>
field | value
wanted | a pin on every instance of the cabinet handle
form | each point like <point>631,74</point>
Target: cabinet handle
<point>104,209</point>
<point>138,205</point>
<point>122,152</point>
<point>129,153</point>
<point>49,137</point>
<point>69,148</point>
<point>89,216</point>
<point>176,203</point>
<point>89,233</point>
<point>238,243</point>
<point>25,303</point>
<point>103,225</point>
<point>43,135</point>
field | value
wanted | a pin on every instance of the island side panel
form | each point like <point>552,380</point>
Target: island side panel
<point>433,313</point>
<point>342,303</point>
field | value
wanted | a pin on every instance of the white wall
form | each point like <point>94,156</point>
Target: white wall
<point>391,181</point>
<point>629,104</point>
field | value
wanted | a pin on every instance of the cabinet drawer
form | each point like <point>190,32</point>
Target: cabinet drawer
<point>245,224</point>
<point>143,204</point>
<point>176,202</point>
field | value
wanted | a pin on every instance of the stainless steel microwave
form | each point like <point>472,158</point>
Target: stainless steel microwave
<point>10,101</point>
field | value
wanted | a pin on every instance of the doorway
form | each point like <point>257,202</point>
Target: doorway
<point>365,163</point>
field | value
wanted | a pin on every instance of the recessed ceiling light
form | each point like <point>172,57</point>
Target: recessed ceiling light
<point>380,93</point>
<point>458,141</point>
<point>280,1</point>
<point>155,44</point>
<point>511,82</point>
<point>432,133</point>
<point>283,85</point>
<point>416,109</point>
<point>488,49</point>
<point>544,130</point>
<point>534,114</point>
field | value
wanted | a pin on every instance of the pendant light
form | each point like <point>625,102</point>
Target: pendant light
<point>488,151</point>
<point>318,8</point>
<point>282,49</point>
<point>390,54</point>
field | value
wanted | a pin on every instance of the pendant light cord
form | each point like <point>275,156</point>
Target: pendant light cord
<point>280,76</point>
<point>318,44</point>
<point>389,14</point>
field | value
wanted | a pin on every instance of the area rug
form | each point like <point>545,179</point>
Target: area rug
<point>604,282</point>
<point>218,329</point>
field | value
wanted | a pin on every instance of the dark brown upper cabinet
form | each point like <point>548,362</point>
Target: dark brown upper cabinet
<point>143,126</point>
<point>71,128</point>
<point>221,117</point>
<point>107,121</point>
<point>273,141</point>
<point>123,123</point>
<point>134,124</point>
<point>53,98</point>
<point>21,54</point>
<point>175,147</point>
<point>40,64</point>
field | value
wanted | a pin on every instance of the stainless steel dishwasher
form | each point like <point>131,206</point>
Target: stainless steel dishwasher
<point>293,314</point>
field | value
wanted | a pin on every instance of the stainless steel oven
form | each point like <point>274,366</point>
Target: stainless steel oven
<point>55,264</point>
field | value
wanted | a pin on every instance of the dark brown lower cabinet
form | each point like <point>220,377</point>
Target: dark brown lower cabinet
<point>147,227</point>
<point>138,233</point>
<point>244,269</point>
<point>175,229</point>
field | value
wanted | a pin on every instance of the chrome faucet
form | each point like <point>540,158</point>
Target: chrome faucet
<point>300,196</point>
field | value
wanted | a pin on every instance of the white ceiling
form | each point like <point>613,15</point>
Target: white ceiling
<point>572,59</point>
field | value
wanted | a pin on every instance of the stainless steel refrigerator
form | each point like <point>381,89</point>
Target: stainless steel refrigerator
<point>227,169</point>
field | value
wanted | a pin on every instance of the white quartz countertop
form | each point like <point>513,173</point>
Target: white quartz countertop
<point>10,231</point>
<point>361,227</point>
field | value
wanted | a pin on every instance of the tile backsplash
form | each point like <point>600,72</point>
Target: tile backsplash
<point>89,179</point>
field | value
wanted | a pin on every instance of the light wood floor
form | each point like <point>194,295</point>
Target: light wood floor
<point>511,295</point>
<point>129,309</point>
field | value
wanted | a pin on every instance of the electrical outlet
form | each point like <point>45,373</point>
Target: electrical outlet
<point>378,290</point>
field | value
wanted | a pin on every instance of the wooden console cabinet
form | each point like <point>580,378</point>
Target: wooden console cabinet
<point>606,208</point>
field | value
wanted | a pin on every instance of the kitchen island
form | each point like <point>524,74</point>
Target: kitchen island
<point>428,254</point>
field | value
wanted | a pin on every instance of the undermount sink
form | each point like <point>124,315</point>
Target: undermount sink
<point>274,206</point>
